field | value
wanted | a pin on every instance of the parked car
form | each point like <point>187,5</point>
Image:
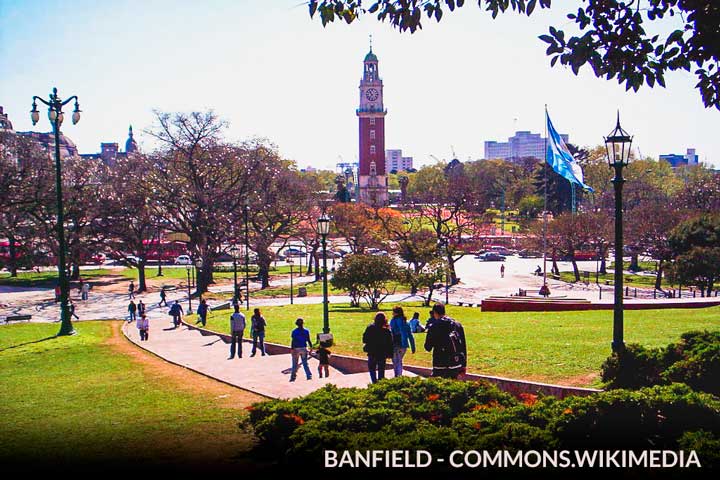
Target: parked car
<point>293,252</point>
<point>98,258</point>
<point>500,250</point>
<point>376,251</point>
<point>529,254</point>
<point>491,257</point>
<point>183,260</point>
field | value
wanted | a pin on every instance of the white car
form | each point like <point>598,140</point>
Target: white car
<point>183,260</point>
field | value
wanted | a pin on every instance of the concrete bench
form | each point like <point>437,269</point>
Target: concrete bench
<point>221,306</point>
<point>17,318</point>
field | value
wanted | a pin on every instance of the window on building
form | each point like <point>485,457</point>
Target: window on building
<point>372,134</point>
<point>372,149</point>
<point>372,121</point>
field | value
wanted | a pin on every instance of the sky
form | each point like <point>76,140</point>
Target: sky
<point>272,72</point>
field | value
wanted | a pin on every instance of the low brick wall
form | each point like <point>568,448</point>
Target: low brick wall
<point>500,305</point>
<point>349,365</point>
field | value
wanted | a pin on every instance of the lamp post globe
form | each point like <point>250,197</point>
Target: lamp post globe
<point>618,144</point>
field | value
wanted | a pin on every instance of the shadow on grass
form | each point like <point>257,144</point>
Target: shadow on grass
<point>28,343</point>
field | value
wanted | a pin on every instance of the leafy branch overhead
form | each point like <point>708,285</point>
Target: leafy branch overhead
<point>616,39</point>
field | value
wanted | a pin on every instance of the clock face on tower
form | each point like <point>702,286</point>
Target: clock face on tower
<point>371,94</point>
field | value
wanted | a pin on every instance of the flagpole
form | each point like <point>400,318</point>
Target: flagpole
<point>545,206</point>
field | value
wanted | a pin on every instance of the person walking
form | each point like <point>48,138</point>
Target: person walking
<point>237,330</point>
<point>132,309</point>
<point>257,326</point>
<point>378,346</point>
<point>402,339</point>
<point>131,290</point>
<point>85,291</point>
<point>300,340</point>
<point>502,271</point>
<point>446,340</point>
<point>143,326</point>
<point>176,311</point>
<point>415,325</point>
<point>202,312</point>
<point>140,308</point>
<point>323,356</point>
<point>163,296</point>
<point>71,309</point>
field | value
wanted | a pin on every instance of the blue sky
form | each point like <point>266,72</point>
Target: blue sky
<point>272,72</point>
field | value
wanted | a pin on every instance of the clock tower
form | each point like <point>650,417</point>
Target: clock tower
<point>372,178</point>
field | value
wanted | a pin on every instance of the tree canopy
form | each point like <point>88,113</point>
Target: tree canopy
<point>616,39</point>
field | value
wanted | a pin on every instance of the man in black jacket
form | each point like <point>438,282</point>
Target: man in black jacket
<point>446,339</point>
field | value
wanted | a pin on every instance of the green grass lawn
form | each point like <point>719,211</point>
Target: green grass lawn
<point>562,347</point>
<point>75,399</point>
<point>313,288</point>
<point>644,281</point>
<point>47,278</point>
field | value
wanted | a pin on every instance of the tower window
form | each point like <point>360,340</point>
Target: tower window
<point>372,149</point>
<point>372,134</point>
<point>372,121</point>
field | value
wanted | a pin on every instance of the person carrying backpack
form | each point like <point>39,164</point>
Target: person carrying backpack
<point>446,340</point>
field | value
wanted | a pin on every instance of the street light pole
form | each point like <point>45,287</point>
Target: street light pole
<point>618,150</point>
<point>290,262</point>
<point>246,207</point>
<point>187,268</point>
<point>233,252</point>
<point>323,230</point>
<point>55,114</point>
<point>159,252</point>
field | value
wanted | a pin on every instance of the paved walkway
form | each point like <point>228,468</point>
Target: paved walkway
<point>208,354</point>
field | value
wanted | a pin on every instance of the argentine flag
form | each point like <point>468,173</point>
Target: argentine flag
<point>559,158</point>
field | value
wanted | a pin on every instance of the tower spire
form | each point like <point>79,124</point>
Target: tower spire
<point>371,43</point>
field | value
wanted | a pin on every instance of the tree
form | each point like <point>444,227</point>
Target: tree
<point>616,39</point>
<point>427,277</point>
<point>127,223</point>
<point>695,243</point>
<point>198,181</point>
<point>358,224</point>
<point>367,277</point>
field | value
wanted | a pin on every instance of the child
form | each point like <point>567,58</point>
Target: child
<point>323,355</point>
<point>143,325</point>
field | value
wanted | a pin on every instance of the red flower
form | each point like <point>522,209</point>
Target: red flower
<point>435,417</point>
<point>477,426</point>
<point>249,408</point>
<point>291,416</point>
<point>567,411</point>
<point>433,396</point>
<point>528,399</point>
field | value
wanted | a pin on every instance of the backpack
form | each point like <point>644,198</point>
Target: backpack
<point>456,344</point>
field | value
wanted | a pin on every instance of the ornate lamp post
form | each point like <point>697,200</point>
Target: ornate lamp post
<point>56,116</point>
<point>246,207</point>
<point>291,262</point>
<point>187,269</point>
<point>618,154</point>
<point>159,251</point>
<point>323,228</point>
<point>234,253</point>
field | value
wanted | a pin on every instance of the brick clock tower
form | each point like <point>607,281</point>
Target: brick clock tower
<point>372,179</point>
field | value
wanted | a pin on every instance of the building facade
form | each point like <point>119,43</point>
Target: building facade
<point>522,144</point>
<point>372,174</point>
<point>44,139</point>
<point>110,152</point>
<point>395,162</point>
<point>676,160</point>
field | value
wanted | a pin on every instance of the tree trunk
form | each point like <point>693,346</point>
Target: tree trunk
<point>658,278</point>
<point>75,271</point>
<point>264,262</point>
<point>451,269</point>
<point>204,276</point>
<point>12,261</point>
<point>142,286</point>
<point>603,266</point>
<point>634,263</point>
<point>576,272</point>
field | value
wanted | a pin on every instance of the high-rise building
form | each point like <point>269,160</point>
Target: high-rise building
<point>395,162</point>
<point>372,175</point>
<point>677,160</point>
<point>522,144</point>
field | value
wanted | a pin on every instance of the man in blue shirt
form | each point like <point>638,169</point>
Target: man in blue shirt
<point>300,339</point>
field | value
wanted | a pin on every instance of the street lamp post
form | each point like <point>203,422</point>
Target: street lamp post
<point>187,269</point>
<point>159,252</point>
<point>55,114</point>
<point>290,262</point>
<point>234,252</point>
<point>618,153</point>
<point>323,229</point>
<point>246,207</point>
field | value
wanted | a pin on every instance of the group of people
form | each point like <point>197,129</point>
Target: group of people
<point>445,339</point>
